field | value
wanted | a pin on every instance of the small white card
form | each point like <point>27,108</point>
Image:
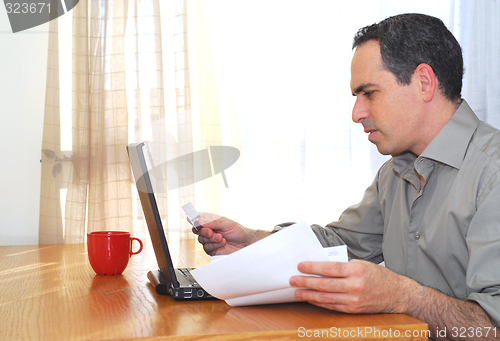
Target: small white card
<point>337,253</point>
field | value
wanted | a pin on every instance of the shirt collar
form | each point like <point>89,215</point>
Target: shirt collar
<point>450,144</point>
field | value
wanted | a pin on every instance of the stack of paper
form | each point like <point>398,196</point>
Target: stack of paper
<point>260,273</point>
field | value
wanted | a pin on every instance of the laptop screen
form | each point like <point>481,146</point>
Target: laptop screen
<point>148,201</point>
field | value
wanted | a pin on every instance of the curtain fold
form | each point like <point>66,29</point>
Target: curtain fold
<point>51,226</point>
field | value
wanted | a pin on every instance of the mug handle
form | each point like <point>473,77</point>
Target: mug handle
<point>140,248</point>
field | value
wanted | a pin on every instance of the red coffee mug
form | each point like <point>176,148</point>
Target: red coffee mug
<point>109,251</point>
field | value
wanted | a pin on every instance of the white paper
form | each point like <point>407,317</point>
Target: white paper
<point>260,273</point>
<point>270,297</point>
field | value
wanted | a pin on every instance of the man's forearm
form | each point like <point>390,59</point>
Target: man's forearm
<point>449,318</point>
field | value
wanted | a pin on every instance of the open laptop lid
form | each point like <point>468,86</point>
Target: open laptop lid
<point>148,201</point>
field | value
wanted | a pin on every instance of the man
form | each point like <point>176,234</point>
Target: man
<point>432,213</point>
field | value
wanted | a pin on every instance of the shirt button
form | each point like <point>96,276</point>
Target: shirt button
<point>416,236</point>
<point>422,160</point>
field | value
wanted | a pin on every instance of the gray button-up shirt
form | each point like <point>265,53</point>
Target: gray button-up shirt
<point>445,235</point>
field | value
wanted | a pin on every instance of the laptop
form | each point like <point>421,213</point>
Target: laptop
<point>167,280</point>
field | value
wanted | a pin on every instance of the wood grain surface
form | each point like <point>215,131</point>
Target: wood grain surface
<point>50,292</point>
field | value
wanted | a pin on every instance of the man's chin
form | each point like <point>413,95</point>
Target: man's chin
<point>383,149</point>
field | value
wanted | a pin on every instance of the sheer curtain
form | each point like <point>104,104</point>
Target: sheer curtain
<point>270,78</point>
<point>480,39</point>
<point>104,72</point>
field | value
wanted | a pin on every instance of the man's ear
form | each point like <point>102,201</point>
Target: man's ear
<point>426,80</point>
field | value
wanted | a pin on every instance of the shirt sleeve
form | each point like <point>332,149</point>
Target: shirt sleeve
<point>483,242</point>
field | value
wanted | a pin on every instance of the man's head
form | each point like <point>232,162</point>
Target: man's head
<point>406,73</point>
<point>408,40</point>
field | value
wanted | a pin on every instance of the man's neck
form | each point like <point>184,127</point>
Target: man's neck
<point>437,116</point>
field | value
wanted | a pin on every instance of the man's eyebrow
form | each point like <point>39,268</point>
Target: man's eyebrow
<point>361,88</point>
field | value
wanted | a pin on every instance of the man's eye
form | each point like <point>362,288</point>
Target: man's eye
<point>368,93</point>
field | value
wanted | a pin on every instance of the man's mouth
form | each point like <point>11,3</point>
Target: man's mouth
<point>371,133</point>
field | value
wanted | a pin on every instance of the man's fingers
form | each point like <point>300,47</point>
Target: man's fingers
<point>333,301</point>
<point>211,245</point>
<point>207,218</point>
<point>329,269</point>
<point>320,284</point>
<point>216,238</point>
<point>206,235</point>
<point>317,296</point>
<point>211,248</point>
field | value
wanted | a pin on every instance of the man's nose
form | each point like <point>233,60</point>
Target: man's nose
<point>359,111</point>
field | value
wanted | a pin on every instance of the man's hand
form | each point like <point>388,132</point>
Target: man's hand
<point>352,287</point>
<point>363,287</point>
<point>222,236</point>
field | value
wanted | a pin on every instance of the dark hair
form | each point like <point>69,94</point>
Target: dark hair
<point>408,40</point>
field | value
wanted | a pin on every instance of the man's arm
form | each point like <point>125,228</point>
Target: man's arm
<point>363,287</point>
<point>450,318</point>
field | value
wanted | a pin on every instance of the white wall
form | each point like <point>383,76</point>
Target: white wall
<point>23,64</point>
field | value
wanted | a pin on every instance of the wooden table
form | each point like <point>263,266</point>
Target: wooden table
<point>50,292</point>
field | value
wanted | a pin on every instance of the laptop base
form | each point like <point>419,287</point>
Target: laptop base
<point>163,287</point>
